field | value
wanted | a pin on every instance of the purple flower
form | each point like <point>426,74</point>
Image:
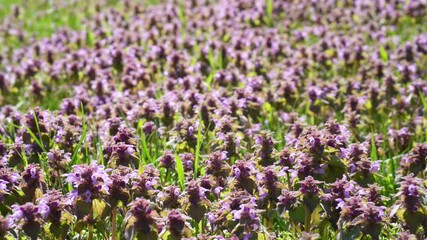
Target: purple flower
<point>306,165</point>
<point>309,186</point>
<point>58,160</point>
<point>350,207</point>
<point>167,160</point>
<point>217,165</point>
<point>195,192</point>
<point>411,191</point>
<point>355,151</point>
<point>144,215</point>
<point>187,161</point>
<point>170,197</point>
<point>270,184</point>
<point>54,204</point>
<point>176,223</point>
<point>372,213</point>
<point>342,188</point>
<point>33,178</point>
<point>288,199</point>
<point>247,215</point>
<point>416,160</point>
<point>286,157</point>
<point>29,218</point>
<point>6,224</point>
<point>148,128</point>
<point>9,178</point>
<point>119,186</point>
<point>265,148</point>
<point>123,155</point>
<point>124,135</point>
<point>242,170</point>
<point>373,194</point>
<point>89,181</point>
<point>145,183</point>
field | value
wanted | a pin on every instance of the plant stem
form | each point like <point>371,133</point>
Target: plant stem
<point>90,232</point>
<point>307,219</point>
<point>166,176</point>
<point>196,226</point>
<point>61,185</point>
<point>90,224</point>
<point>114,223</point>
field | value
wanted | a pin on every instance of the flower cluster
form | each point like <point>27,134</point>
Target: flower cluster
<point>246,119</point>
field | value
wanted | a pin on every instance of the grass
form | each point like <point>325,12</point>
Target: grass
<point>198,146</point>
<point>179,171</point>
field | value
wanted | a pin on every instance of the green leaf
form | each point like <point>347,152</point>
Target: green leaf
<point>82,208</point>
<point>98,207</point>
<point>349,233</point>
<point>297,214</point>
<point>197,150</point>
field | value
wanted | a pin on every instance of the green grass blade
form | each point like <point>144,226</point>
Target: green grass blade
<point>374,156</point>
<point>79,144</point>
<point>38,130</point>
<point>180,170</point>
<point>197,150</point>
<point>269,12</point>
<point>383,54</point>
<point>34,137</point>
<point>145,148</point>
<point>424,102</point>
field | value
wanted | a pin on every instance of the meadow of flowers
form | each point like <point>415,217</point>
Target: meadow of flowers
<point>228,119</point>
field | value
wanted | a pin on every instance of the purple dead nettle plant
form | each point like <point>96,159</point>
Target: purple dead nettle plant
<point>288,200</point>
<point>171,197</point>
<point>338,191</point>
<point>410,203</point>
<point>264,145</point>
<point>123,155</point>
<point>29,218</point>
<point>217,166</point>
<point>177,225</point>
<point>141,220</point>
<point>270,186</point>
<point>415,162</point>
<point>146,183</point>
<point>290,118</point>
<point>196,204</point>
<point>90,182</point>
<point>33,182</point>
<point>120,185</point>
<point>371,220</point>
<point>6,225</point>
<point>9,183</point>
<point>248,219</point>
<point>243,173</point>
<point>58,162</point>
<point>310,190</point>
<point>187,162</point>
<point>167,161</point>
